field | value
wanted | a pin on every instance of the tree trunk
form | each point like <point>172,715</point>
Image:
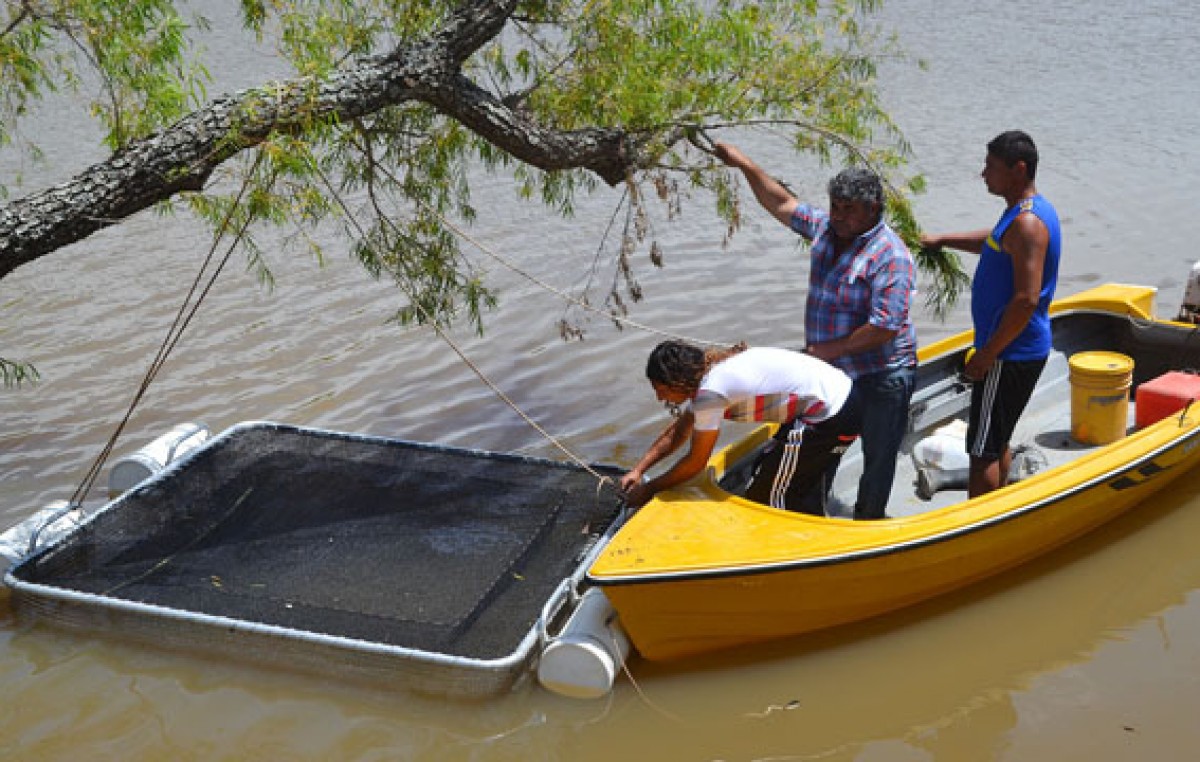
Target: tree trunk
<point>183,156</point>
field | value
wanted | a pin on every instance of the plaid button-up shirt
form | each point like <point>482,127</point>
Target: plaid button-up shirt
<point>872,281</point>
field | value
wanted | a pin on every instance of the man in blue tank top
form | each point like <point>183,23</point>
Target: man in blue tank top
<point>1011,291</point>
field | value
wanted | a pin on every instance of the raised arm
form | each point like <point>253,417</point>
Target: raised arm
<point>775,198</point>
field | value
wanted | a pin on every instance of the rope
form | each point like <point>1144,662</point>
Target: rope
<point>601,478</point>
<point>562,295</point>
<point>183,318</point>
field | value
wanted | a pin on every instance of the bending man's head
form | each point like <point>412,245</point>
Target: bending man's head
<point>677,366</point>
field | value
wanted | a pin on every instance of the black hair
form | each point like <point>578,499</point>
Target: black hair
<point>1013,146</point>
<point>679,365</point>
<point>676,365</point>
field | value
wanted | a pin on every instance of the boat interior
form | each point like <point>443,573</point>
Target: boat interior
<point>1043,437</point>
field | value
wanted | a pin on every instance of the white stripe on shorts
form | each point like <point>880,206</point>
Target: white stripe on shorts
<point>991,386</point>
<point>787,466</point>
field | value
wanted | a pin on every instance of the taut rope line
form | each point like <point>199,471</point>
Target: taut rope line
<point>182,319</point>
<point>562,295</point>
<point>603,480</point>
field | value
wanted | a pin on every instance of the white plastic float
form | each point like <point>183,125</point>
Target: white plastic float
<point>43,528</point>
<point>56,520</point>
<point>583,661</point>
<point>154,457</point>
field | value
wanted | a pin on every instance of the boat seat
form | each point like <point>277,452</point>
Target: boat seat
<point>937,403</point>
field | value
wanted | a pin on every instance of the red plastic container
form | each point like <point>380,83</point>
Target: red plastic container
<point>1160,397</point>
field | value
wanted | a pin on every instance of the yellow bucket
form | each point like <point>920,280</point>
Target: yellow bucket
<point>1100,384</point>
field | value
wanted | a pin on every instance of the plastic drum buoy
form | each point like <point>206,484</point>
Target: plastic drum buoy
<point>585,659</point>
<point>154,457</point>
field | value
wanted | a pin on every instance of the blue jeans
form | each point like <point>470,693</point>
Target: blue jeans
<point>884,398</point>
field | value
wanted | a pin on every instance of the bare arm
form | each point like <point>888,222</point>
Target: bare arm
<point>1025,241</point>
<point>692,463</point>
<point>667,442</point>
<point>970,241</point>
<point>864,338</point>
<point>770,193</point>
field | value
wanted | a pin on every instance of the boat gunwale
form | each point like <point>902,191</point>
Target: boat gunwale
<point>952,344</point>
<point>906,545</point>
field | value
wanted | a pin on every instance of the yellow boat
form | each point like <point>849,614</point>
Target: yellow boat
<point>700,569</point>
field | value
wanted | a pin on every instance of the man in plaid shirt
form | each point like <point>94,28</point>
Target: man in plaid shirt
<point>860,287</point>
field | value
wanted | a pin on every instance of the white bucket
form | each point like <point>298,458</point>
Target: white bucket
<point>154,457</point>
<point>583,661</point>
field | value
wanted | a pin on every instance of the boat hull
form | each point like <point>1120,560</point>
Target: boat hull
<point>686,615</point>
<point>698,570</point>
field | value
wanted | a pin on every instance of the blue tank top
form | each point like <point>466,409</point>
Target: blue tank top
<point>992,287</point>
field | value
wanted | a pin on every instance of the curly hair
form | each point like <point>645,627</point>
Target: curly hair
<point>679,365</point>
<point>857,184</point>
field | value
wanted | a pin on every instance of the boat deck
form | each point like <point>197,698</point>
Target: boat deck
<point>1044,428</point>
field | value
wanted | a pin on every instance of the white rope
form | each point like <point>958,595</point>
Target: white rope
<point>602,479</point>
<point>565,296</point>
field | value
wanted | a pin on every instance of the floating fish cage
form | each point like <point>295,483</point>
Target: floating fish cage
<point>438,568</point>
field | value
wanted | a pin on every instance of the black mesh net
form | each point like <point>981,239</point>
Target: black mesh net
<point>430,548</point>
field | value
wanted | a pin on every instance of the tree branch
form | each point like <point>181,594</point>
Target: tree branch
<point>184,156</point>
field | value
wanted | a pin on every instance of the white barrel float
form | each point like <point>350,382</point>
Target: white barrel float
<point>155,456</point>
<point>37,531</point>
<point>585,658</point>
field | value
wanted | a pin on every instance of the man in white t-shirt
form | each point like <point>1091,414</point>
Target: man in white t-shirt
<point>811,399</point>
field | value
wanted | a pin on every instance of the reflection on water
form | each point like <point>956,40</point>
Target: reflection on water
<point>1013,669</point>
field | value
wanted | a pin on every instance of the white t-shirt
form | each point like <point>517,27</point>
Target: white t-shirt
<point>769,384</point>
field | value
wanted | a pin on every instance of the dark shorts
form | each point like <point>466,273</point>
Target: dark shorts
<point>795,470</point>
<point>997,402</point>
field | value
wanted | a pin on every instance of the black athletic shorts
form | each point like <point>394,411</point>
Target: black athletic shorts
<point>796,469</point>
<point>997,401</point>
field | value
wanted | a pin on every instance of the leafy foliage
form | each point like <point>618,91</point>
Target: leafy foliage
<point>14,374</point>
<point>136,52</point>
<point>663,72</point>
